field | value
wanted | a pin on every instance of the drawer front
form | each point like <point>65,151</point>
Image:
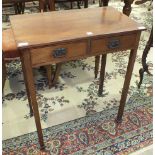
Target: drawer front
<point>58,53</point>
<point>112,44</point>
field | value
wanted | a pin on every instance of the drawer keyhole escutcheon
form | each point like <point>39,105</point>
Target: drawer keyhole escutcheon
<point>59,52</point>
<point>114,43</point>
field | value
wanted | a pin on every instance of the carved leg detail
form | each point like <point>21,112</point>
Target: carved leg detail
<point>144,56</point>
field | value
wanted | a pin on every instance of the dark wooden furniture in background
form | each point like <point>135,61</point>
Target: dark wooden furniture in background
<point>144,56</point>
<point>126,8</point>
<point>147,47</point>
<point>87,31</point>
<point>51,3</point>
<point>19,5</point>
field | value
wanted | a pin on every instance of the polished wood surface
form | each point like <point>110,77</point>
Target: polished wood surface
<point>52,27</point>
<point>69,35</point>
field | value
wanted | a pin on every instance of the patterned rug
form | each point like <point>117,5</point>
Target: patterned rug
<point>74,119</point>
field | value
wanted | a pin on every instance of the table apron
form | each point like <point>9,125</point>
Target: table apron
<point>74,50</point>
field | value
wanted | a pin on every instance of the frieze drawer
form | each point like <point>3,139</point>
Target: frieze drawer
<point>112,44</point>
<point>58,53</point>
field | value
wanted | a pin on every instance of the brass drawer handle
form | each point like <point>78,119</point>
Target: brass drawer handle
<point>59,52</point>
<point>113,44</point>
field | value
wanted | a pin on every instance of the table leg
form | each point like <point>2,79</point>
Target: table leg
<point>26,63</point>
<point>27,91</point>
<point>126,85</point>
<point>102,74</point>
<point>56,74</point>
<point>97,62</point>
<point>127,7</point>
<point>49,74</point>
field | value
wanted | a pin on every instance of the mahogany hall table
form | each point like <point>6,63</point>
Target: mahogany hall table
<point>54,37</point>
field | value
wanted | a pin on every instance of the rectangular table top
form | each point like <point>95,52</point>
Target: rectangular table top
<point>31,30</point>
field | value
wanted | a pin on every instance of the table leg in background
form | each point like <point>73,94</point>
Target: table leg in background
<point>102,74</point>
